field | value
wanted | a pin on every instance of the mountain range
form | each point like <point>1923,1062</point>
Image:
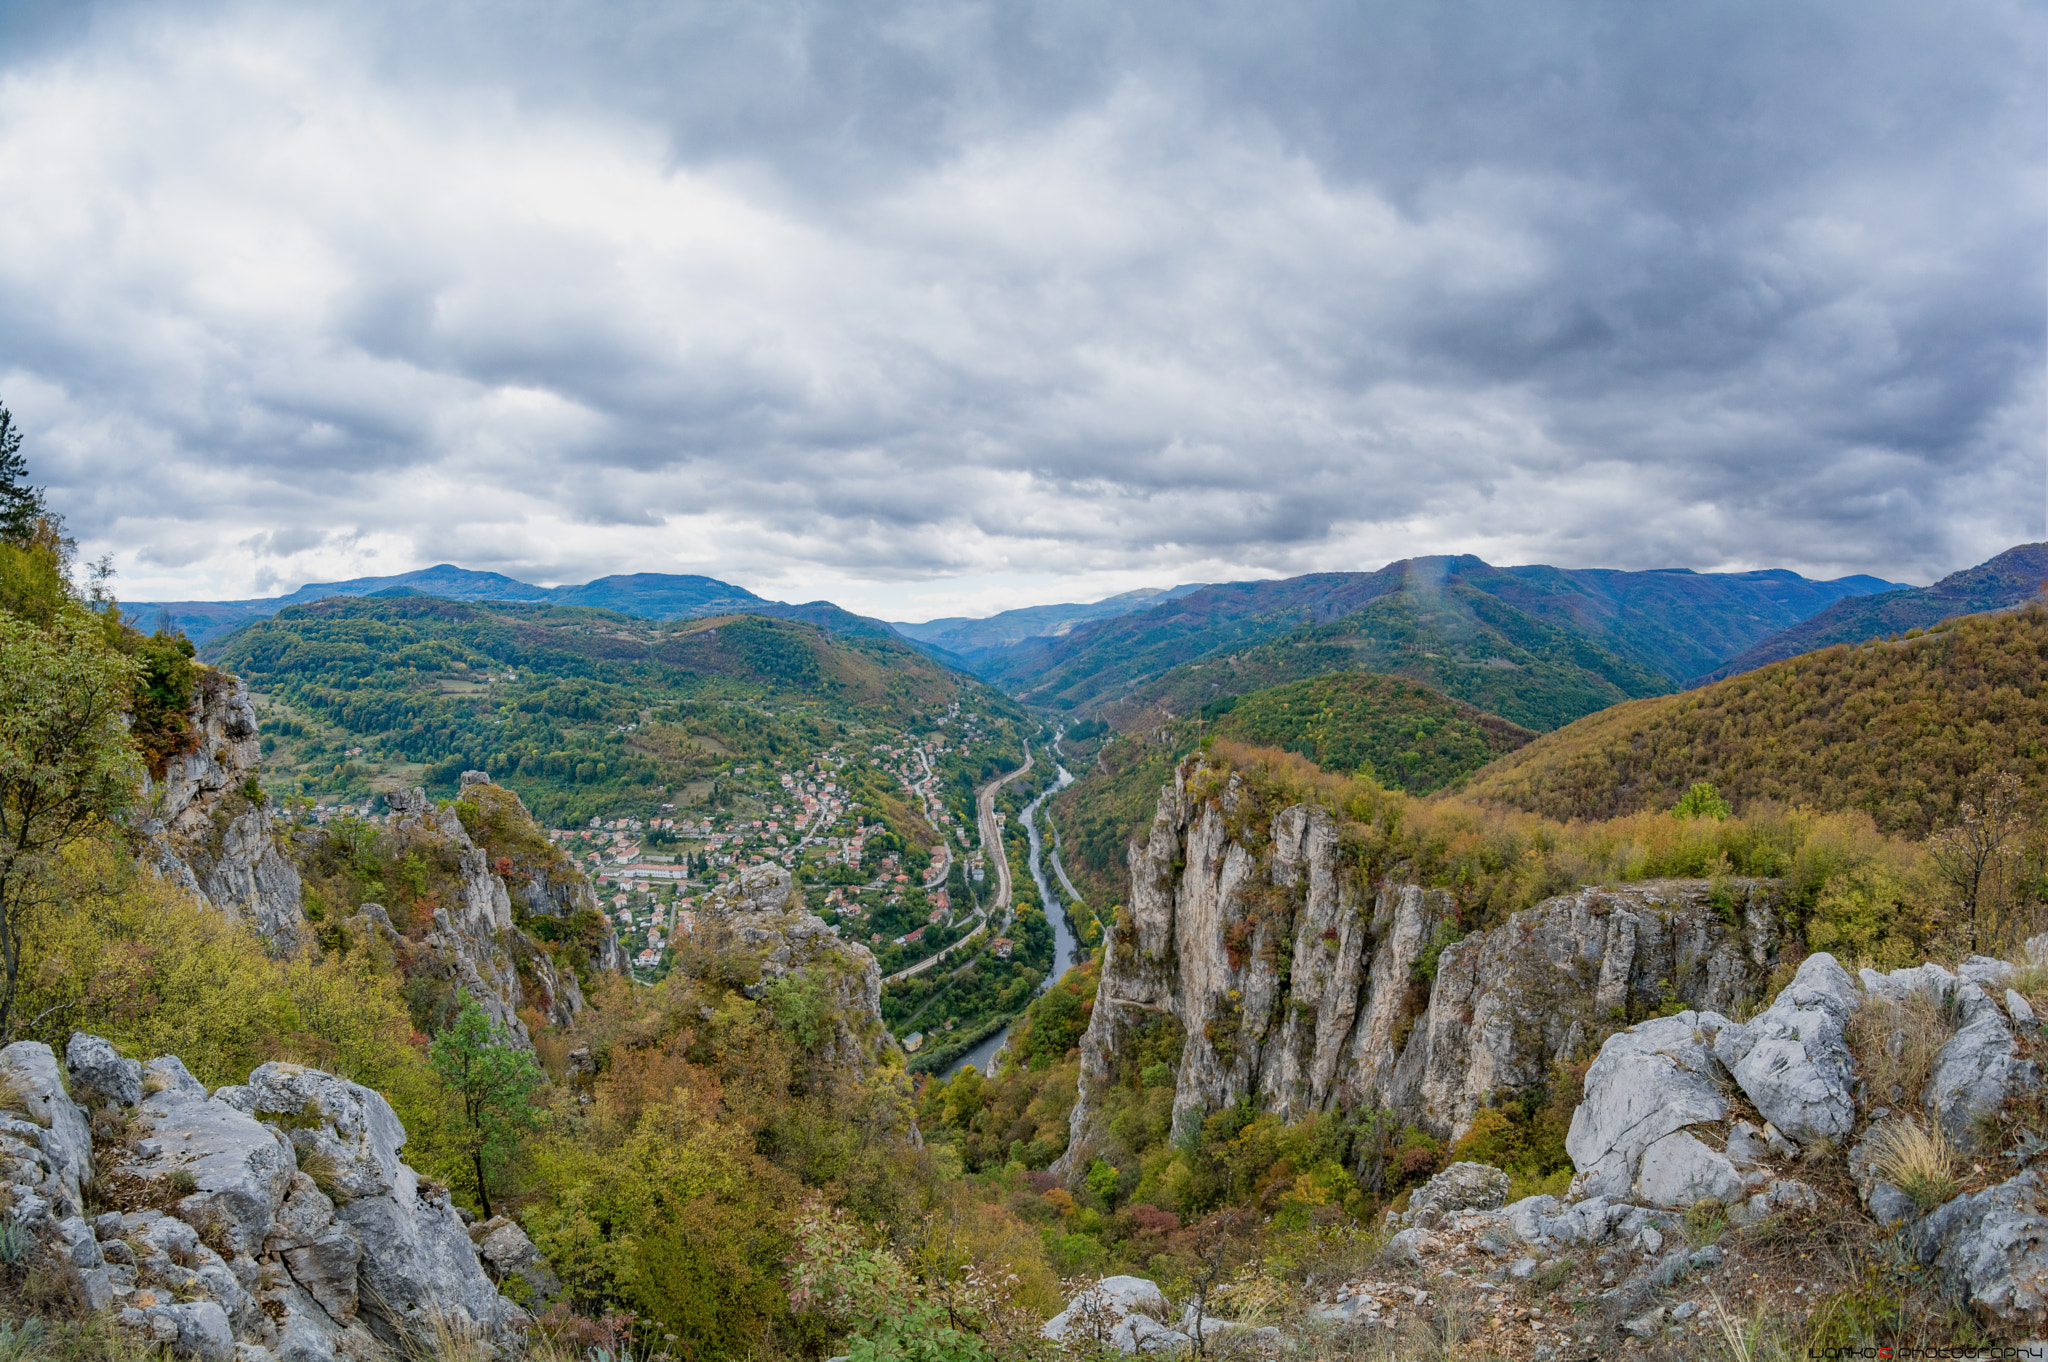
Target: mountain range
<point>647,595</point>
<point>1537,645</point>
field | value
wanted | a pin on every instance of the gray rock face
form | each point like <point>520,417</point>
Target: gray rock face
<point>1991,1249</point>
<point>754,911</point>
<point>1793,1061</point>
<point>94,1063</point>
<point>1647,1083</point>
<point>343,1258</point>
<point>209,836</point>
<point>1678,1170</point>
<point>60,1130</point>
<point>1294,984</point>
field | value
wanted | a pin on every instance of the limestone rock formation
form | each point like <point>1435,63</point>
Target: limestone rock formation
<point>273,1219</point>
<point>1296,985</point>
<point>209,827</point>
<point>473,944</point>
<point>752,920</point>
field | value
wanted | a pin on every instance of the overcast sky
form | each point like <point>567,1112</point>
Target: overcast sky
<point>936,308</point>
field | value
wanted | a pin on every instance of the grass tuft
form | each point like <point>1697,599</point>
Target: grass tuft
<point>1916,1159</point>
<point>324,1169</point>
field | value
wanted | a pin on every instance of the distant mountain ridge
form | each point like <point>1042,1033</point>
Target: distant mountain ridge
<point>648,595</point>
<point>1580,638</point>
<point>976,639</point>
<point>2012,578</point>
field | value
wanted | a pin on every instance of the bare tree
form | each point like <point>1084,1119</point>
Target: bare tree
<point>1978,853</point>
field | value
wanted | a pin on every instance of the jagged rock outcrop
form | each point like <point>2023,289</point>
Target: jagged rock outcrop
<point>541,879</point>
<point>209,827</point>
<point>473,944</point>
<point>270,1219</point>
<point>1298,986</point>
<point>752,921</point>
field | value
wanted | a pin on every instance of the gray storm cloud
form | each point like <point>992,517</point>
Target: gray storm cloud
<point>842,299</point>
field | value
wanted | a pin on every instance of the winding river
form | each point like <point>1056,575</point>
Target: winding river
<point>1066,951</point>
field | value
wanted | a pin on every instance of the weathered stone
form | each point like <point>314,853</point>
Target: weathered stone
<point>95,1063</point>
<point>510,1256</point>
<point>2019,1009</point>
<point>1991,1249</point>
<point>1793,1061</point>
<point>1113,1305</point>
<point>1974,1070</point>
<point>1461,1187</point>
<point>326,1268</point>
<point>1678,1170</point>
<point>243,1169</point>
<point>1408,1246</point>
<point>1647,1082</point>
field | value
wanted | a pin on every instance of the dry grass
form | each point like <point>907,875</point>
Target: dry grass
<point>1916,1159</point>
<point>14,1097</point>
<point>325,1171</point>
<point>1895,1045</point>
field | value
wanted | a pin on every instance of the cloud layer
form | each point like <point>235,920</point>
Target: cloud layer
<point>931,306</point>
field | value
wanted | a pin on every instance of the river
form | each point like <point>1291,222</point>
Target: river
<point>1066,951</point>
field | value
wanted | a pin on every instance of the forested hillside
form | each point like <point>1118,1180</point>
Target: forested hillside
<point>581,710</point>
<point>1892,728</point>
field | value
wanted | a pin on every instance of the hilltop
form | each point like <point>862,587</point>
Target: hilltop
<point>580,709</point>
<point>2012,578</point>
<point>1892,728</point>
<point>1558,643</point>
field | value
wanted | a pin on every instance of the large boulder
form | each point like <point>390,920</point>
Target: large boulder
<point>1793,1061</point>
<point>511,1257</point>
<point>1647,1083</point>
<point>96,1066</point>
<point>416,1257</point>
<point>243,1168</point>
<point>1991,1250</point>
<point>1975,1069</point>
<point>1461,1187</point>
<point>1122,1313</point>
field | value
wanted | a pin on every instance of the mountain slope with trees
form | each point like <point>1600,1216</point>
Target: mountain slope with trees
<point>1896,729</point>
<point>2014,577</point>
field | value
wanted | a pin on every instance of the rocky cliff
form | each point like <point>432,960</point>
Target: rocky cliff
<point>1296,984</point>
<point>209,827</point>
<point>754,929</point>
<point>273,1219</point>
<point>472,943</point>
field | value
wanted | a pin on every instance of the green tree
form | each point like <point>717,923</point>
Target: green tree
<point>1702,801</point>
<point>67,767</point>
<point>480,1063</point>
<point>21,505</point>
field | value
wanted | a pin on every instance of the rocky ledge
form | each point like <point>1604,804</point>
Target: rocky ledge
<point>271,1219</point>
